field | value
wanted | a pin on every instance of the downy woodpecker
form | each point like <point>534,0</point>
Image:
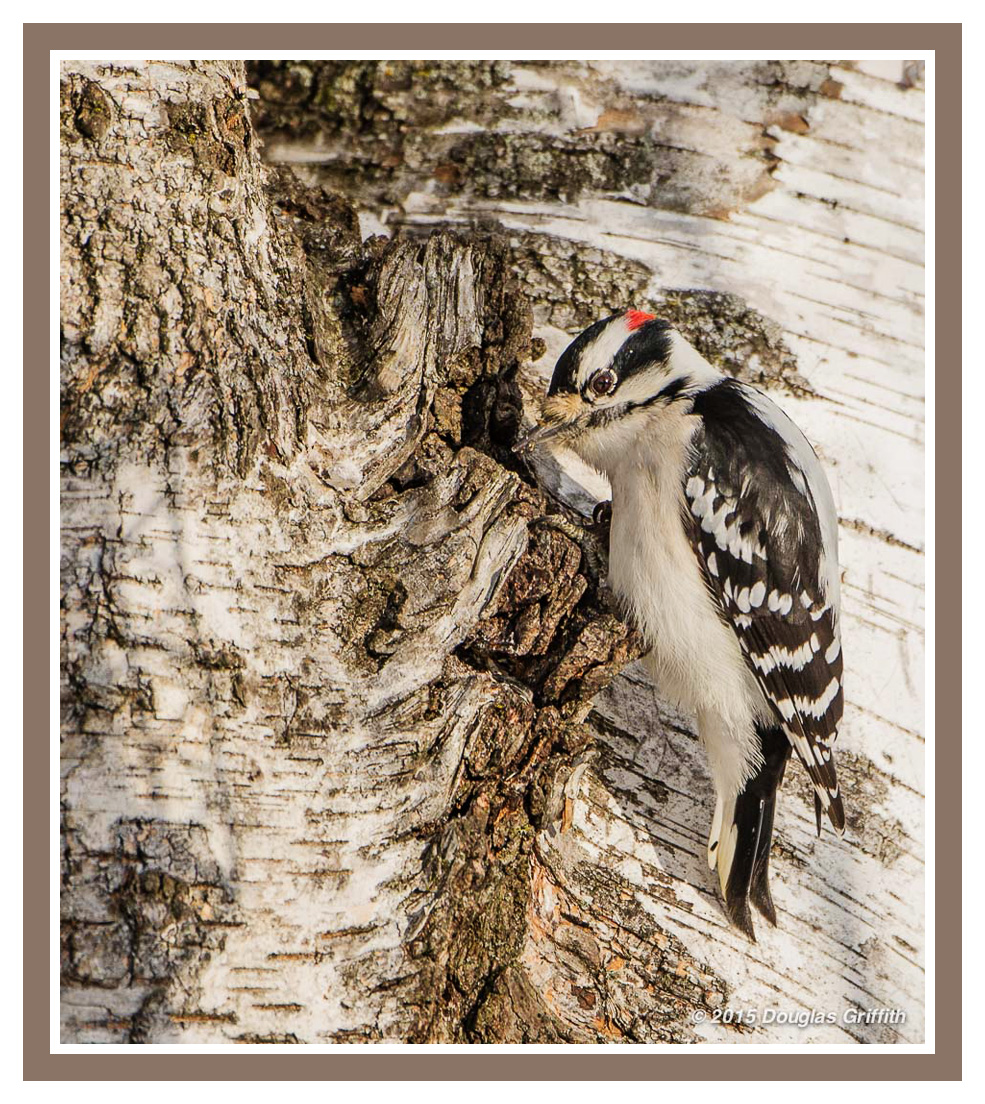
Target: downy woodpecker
<point>723,550</point>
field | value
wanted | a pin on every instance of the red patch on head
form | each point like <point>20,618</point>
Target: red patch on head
<point>635,319</point>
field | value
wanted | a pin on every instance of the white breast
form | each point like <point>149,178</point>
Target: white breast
<point>695,657</point>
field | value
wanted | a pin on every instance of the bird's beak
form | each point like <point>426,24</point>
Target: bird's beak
<point>539,435</point>
<point>560,418</point>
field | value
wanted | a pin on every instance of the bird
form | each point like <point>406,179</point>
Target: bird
<point>723,552</point>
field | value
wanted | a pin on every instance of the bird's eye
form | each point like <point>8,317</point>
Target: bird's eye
<point>603,381</point>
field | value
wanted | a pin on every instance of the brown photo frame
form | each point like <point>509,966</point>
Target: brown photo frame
<point>603,1064</point>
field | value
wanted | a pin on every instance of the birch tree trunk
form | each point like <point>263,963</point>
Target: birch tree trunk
<point>352,749</point>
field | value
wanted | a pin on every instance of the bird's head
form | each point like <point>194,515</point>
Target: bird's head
<point>611,380</point>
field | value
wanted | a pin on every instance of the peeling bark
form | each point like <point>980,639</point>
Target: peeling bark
<point>352,748</point>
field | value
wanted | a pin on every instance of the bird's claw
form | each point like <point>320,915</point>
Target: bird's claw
<point>591,537</point>
<point>602,514</point>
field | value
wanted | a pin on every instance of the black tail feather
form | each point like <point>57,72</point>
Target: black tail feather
<point>748,819</point>
<point>755,807</point>
<point>759,892</point>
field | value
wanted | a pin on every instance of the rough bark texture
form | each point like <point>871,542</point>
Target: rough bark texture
<point>352,749</point>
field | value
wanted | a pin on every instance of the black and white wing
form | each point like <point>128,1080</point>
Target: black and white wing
<point>764,528</point>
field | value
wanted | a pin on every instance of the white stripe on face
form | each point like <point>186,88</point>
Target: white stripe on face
<point>640,386</point>
<point>602,351</point>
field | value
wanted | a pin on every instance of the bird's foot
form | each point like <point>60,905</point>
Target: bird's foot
<point>592,537</point>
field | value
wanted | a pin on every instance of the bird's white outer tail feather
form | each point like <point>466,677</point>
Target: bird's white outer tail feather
<point>726,853</point>
<point>714,836</point>
<point>721,841</point>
